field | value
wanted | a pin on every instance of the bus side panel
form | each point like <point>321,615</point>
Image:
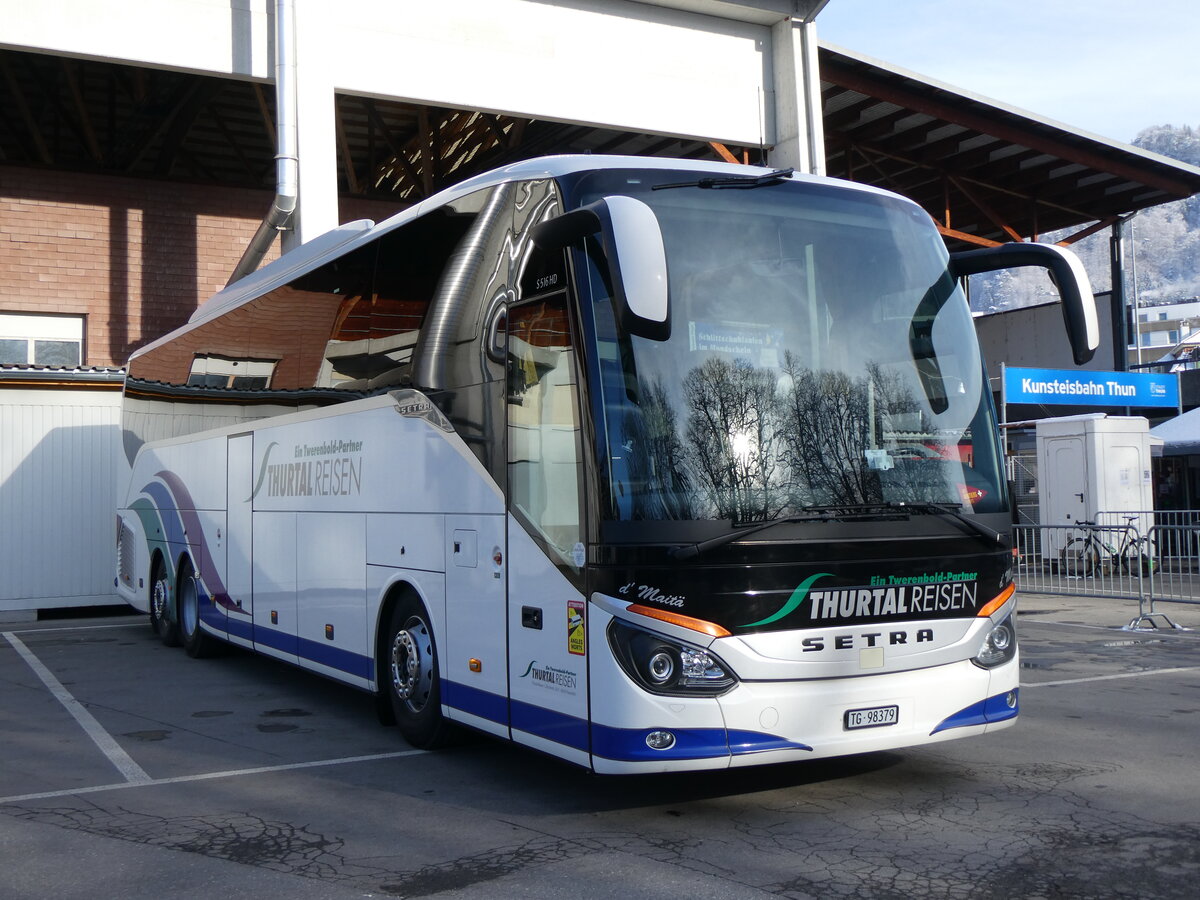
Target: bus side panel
<point>331,595</point>
<point>274,573</point>
<point>177,493</point>
<point>549,642</point>
<point>474,660</point>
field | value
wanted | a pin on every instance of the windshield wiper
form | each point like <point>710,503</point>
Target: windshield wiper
<point>736,182</point>
<point>825,513</point>
<point>918,506</point>
<point>693,550</point>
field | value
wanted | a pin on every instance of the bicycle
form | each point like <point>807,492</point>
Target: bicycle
<point>1083,556</point>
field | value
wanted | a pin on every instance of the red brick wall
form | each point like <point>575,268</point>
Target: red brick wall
<point>132,255</point>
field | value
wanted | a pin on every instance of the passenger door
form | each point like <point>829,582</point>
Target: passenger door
<point>547,609</point>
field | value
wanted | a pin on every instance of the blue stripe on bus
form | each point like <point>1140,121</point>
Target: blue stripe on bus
<point>336,658</point>
<point>312,651</point>
<point>743,742</point>
<point>993,709</point>
<point>629,744</point>
<point>483,704</point>
<point>240,628</point>
<point>276,640</point>
<point>210,614</point>
<point>561,728</point>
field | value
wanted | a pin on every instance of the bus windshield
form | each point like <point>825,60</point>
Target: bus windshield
<point>820,355</point>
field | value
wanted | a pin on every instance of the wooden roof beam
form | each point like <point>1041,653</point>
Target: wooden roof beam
<point>967,238</point>
<point>927,102</point>
<point>885,126</point>
<point>181,118</point>
<point>81,111</point>
<point>1000,189</point>
<point>722,151</point>
<point>1089,231</point>
<point>399,154</point>
<point>984,207</point>
<point>425,149</point>
<point>849,114</point>
<point>33,132</point>
<point>268,120</point>
<point>344,147</point>
<point>234,144</point>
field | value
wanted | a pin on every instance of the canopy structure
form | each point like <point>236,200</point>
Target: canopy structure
<point>1180,435</point>
<point>986,172</point>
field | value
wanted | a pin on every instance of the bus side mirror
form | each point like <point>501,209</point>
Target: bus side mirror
<point>1067,273</point>
<point>633,248</point>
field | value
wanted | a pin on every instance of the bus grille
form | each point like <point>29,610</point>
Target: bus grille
<point>125,555</point>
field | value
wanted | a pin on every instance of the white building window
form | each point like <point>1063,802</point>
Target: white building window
<point>41,340</point>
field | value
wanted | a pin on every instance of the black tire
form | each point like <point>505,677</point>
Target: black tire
<point>163,618</point>
<point>1077,559</point>
<point>409,675</point>
<point>1139,556</point>
<point>195,641</point>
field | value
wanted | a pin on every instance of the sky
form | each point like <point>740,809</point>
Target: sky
<point>1109,67</point>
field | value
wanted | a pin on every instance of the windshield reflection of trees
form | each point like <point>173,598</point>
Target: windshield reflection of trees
<point>757,443</point>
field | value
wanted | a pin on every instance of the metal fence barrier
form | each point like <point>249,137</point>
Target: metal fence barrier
<point>1149,556</point>
<point>1176,576</point>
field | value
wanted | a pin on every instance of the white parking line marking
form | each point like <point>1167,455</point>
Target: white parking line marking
<point>208,776</point>
<point>138,624</point>
<point>108,745</point>
<point>1034,684</point>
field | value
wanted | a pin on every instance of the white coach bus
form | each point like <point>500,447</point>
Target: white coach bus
<point>648,464</point>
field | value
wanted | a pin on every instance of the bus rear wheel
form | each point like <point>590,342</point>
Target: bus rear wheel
<point>162,611</point>
<point>411,677</point>
<point>197,644</point>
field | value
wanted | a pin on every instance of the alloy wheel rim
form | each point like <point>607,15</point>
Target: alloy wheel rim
<point>412,665</point>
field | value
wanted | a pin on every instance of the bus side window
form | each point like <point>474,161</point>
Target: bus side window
<point>543,424</point>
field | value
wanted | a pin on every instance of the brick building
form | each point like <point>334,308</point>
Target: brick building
<point>113,262</point>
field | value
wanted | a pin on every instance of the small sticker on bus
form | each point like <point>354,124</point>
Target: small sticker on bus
<point>576,631</point>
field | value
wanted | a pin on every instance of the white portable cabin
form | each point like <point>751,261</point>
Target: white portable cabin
<point>1092,464</point>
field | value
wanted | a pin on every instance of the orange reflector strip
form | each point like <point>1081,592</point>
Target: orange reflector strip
<point>998,602</point>
<point>710,628</point>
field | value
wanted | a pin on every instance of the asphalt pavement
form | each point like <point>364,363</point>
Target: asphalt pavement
<point>132,770</point>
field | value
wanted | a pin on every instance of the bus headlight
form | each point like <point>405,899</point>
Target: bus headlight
<point>664,665</point>
<point>1000,645</point>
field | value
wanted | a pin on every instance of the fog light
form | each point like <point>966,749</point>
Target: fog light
<point>1011,699</point>
<point>660,740</point>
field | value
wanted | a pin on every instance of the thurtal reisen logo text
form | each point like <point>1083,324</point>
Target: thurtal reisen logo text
<point>886,597</point>
<point>328,469</point>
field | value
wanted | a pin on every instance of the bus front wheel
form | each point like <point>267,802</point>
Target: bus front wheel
<point>411,676</point>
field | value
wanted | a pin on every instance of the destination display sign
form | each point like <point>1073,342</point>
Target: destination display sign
<point>1070,387</point>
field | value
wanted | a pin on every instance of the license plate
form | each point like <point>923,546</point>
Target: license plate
<point>873,717</point>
